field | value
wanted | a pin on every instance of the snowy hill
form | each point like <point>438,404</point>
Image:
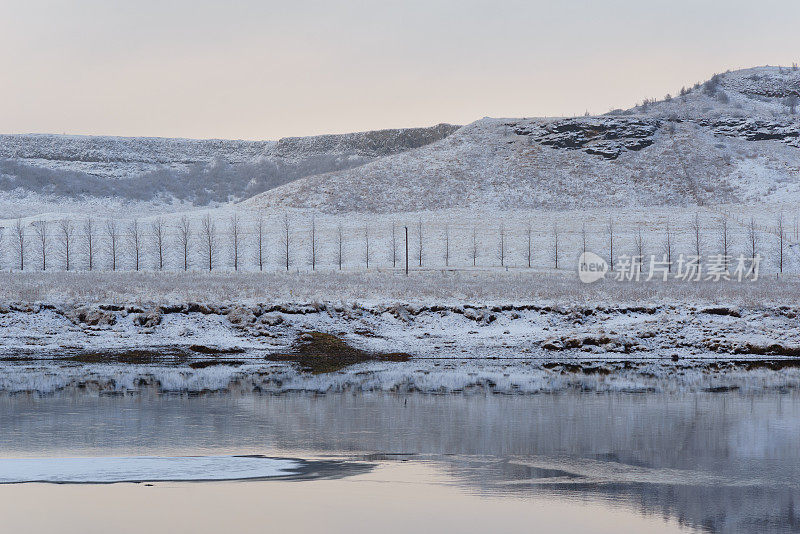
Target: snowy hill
<point>733,139</point>
<point>194,171</point>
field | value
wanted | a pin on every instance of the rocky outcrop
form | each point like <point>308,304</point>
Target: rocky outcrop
<point>606,137</point>
<point>787,131</point>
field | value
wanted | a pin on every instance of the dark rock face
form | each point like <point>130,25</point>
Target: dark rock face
<point>605,137</point>
<point>756,129</point>
<point>611,137</point>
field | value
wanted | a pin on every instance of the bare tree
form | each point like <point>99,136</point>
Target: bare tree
<point>583,237</point>
<point>259,231</point>
<point>236,237</point>
<point>725,241</point>
<point>19,230</point>
<point>405,240</point>
<point>474,246</point>
<point>67,235</point>
<point>752,237</point>
<point>113,241</point>
<point>669,246</point>
<point>184,239</point>
<point>697,235</point>
<point>555,244</point>
<point>88,236</point>
<point>610,230</point>
<point>394,244</point>
<point>135,241</point>
<point>339,246</point>
<point>159,236</point>
<point>419,234</point>
<point>208,232</point>
<point>781,239</point>
<point>639,243</point>
<point>366,245</point>
<point>502,245</point>
<point>447,245</point>
<point>313,243</point>
<point>286,239</point>
<point>43,239</point>
<point>529,234</point>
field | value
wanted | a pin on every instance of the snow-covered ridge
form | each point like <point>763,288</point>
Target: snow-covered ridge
<point>768,82</point>
<point>51,168</point>
<point>373,144</point>
<point>123,157</point>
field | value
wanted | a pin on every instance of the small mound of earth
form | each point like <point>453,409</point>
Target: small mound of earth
<point>319,352</point>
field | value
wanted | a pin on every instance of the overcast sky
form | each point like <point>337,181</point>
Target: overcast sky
<point>262,70</point>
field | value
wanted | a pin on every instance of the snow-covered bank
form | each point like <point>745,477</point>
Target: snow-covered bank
<point>709,340</point>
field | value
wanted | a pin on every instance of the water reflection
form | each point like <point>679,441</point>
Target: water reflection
<point>721,462</point>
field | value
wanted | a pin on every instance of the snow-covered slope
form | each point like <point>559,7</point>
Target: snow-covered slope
<point>732,139</point>
<point>197,171</point>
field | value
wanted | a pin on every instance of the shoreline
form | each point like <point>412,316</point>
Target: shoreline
<point>511,348</point>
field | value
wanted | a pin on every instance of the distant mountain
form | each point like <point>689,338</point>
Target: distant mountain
<point>732,139</point>
<point>195,171</point>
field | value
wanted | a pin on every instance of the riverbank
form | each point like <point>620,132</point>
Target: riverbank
<point>538,345</point>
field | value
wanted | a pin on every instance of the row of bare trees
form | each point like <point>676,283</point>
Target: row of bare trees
<point>45,239</point>
<point>51,244</point>
<point>724,246</point>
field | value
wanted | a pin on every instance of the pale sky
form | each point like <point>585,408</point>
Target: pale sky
<point>253,69</point>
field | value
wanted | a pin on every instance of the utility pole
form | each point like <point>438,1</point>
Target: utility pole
<point>406,227</point>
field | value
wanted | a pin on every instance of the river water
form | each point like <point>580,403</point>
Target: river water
<point>711,462</point>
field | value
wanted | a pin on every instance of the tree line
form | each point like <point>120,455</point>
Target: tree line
<point>245,243</point>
